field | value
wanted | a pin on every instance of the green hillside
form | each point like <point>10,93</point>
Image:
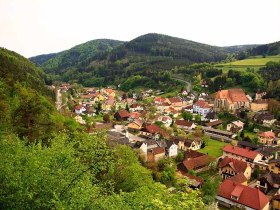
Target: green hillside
<point>145,59</point>
<point>26,105</point>
<point>79,56</point>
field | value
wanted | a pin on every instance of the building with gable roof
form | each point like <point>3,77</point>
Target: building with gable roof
<point>231,100</point>
<point>232,194</point>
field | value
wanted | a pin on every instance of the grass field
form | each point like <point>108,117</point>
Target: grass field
<point>252,61</point>
<point>214,148</point>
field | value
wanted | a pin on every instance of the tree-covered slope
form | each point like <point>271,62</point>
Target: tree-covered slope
<point>79,56</point>
<point>26,105</point>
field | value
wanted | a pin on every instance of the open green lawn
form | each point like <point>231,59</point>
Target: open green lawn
<point>252,61</point>
<point>213,148</point>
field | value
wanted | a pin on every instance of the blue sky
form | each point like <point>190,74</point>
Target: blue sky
<point>33,27</point>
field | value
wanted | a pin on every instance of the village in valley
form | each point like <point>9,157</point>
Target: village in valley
<point>228,139</point>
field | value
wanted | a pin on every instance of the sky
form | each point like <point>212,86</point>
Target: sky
<point>34,27</point>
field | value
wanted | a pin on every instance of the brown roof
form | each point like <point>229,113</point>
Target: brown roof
<point>200,161</point>
<point>153,129</point>
<point>202,104</point>
<point>214,123</point>
<point>174,100</point>
<point>240,151</point>
<point>158,150</point>
<point>123,113</point>
<point>238,178</point>
<point>192,154</point>
<point>248,196</point>
<point>238,166</point>
<point>184,123</point>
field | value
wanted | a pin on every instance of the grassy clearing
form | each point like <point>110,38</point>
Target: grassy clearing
<point>254,61</point>
<point>213,148</point>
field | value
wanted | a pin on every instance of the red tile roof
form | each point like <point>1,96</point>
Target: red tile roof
<point>267,134</point>
<point>123,113</point>
<point>241,152</point>
<point>79,107</point>
<point>238,166</point>
<point>239,178</point>
<point>232,95</point>
<point>158,150</point>
<point>174,100</point>
<point>134,115</point>
<point>202,104</point>
<point>184,123</point>
<point>194,163</point>
<point>153,129</point>
<point>248,196</point>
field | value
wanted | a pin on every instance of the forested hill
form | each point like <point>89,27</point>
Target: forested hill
<point>26,104</point>
<point>79,56</point>
<point>265,49</point>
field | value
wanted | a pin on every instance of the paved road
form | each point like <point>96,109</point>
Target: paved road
<point>189,85</point>
<point>58,100</point>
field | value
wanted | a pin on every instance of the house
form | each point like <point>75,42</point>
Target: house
<point>162,106</point>
<point>166,120</point>
<point>268,182</point>
<point>156,154</point>
<point>135,126</point>
<point>109,92</point>
<point>264,118</point>
<point>268,152</point>
<point>80,109</point>
<point>259,105</point>
<point>109,104</point>
<point>276,202</point>
<point>186,144</point>
<point>229,167</point>
<point>231,194</point>
<point>267,137</point>
<point>246,155</point>
<point>188,108</point>
<point>135,107</point>
<point>197,164</point>
<point>185,125</point>
<point>174,101</point>
<point>134,116</point>
<point>246,144</point>
<point>153,131</point>
<point>171,149</point>
<point>274,165</point>
<point>214,124</point>
<point>201,107</point>
<point>235,126</point>
<point>159,100</point>
<point>230,100</point>
<point>121,115</point>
